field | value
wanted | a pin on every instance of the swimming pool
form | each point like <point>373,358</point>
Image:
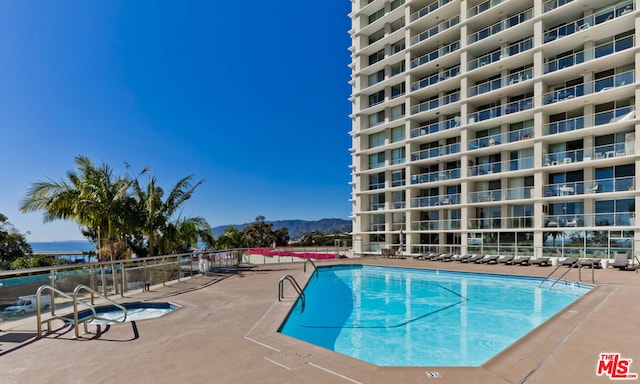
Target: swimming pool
<point>407,317</point>
<point>135,311</point>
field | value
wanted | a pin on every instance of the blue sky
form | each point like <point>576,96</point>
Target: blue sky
<point>250,97</point>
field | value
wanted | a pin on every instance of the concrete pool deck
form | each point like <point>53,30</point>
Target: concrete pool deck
<point>224,332</point>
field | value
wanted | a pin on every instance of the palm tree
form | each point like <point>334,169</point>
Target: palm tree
<point>232,238</point>
<point>92,196</point>
<point>154,213</point>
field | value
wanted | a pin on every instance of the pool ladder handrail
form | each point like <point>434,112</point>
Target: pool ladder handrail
<point>577,262</point>
<point>295,285</point>
<point>315,268</point>
<point>54,291</point>
<point>95,316</point>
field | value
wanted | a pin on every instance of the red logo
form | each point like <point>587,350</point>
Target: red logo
<point>614,366</point>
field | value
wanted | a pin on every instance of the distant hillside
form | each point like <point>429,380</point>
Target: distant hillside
<point>297,227</point>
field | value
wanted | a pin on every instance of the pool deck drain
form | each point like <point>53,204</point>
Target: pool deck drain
<point>225,332</point>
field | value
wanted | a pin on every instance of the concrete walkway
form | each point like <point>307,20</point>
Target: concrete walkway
<point>225,332</point>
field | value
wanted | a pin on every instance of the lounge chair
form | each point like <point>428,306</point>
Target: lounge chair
<point>592,263</point>
<point>520,260</point>
<point>541,261</point>
<point>505,259</point>
<point>432,256</point>
<point>622,263</point>
<point>473,259</point>
<point>449,257</point>
<point>444,256</point>
<point>570,262</point>
<point>460,257</point>
<point>492,259</point>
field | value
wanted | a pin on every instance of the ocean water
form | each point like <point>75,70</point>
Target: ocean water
<point>67,245</point>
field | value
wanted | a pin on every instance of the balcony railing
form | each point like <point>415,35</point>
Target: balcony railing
<point>433,55</point>
<point>492,57</point>
<point>599,85</point>
<point>501,195</point>
<point>435,127</point>
<point>501,26</point>
<point>504,81</point>
<point>585,23</point>
<point>430,177</point>
<point>377,207</point>
<point>435,225</point>
<point>553,4</point>
<point>435,30</point>
<point>435,152</point>
<point>434,79</point>
<point>616,184</point>
<point>432,104</point>
<point>434,201</point>
<point>601,118</point>
<point>492,113</point>
<point>501,166</point>
<point>500,138</point>
<point>428,9</point>
<point>599,51</point>
<point>377,227</point>
<point>591,220</point>
<point>588,154</point>
<point>483,7</point>
<point>487,223</point>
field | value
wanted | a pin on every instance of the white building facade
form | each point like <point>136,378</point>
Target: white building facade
<point>496,127</point>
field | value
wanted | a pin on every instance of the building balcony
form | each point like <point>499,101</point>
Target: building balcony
<point>592,220</point>
<point>435,152</point>
<point>606,117</point>
<point>501,195</point>
<point>436,127</point>
<point>501,138</point>
<point>435,30</point>
<point>588,154</point>
<point>431,177</point>
<point>435,201</point>
<point>510,222</point>
<point>599,51</point>
<point>436,103</point>
<point>583,24</point>
<point>617,184</point>
<point>483,7</point>
<point>501,110</point>
<point>502,82</point>
<point>512,21</point>
<point>428,9</point>
<point>434,79</point>
<point>435,54</point>
<point>500,54</point>
<point>599,85</point>
<point>501,166</point>
<point>435,225</point>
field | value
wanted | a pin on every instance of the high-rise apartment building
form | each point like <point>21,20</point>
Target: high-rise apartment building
<point>495,126</point>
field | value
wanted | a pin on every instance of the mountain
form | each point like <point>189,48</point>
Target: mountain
<point>297,227</point>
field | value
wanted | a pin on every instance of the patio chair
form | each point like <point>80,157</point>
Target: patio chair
<point>505,259</point>
<point>570,262</point>
<point>492,259</point>
<point>520,260</point>
<point>621,262</point>
<point>460,257</point>
<point>473,259</point>
<point>541,261</point>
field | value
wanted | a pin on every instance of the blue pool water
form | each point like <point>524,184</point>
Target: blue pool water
<point>407,317</point>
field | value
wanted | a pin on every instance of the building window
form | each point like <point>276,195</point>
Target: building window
<point>397,200</point>
<point>376,77</point>
<point>376,140</point>
<point>376,119</point>
<point>398,46</point>
<point>397,134</point>
<point>397,68</point>
<point>397,156</point>
<point>397,112</point>
<point>375,36</point>
<point>375,57</point>
<point>376,160</point>
<point>376,181</point>
<point>397,90</point>
<point>396,25</point>
<point>397,178</point>
<point>376,98</point>
<point>396,3</point>
<point>376,15</point>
